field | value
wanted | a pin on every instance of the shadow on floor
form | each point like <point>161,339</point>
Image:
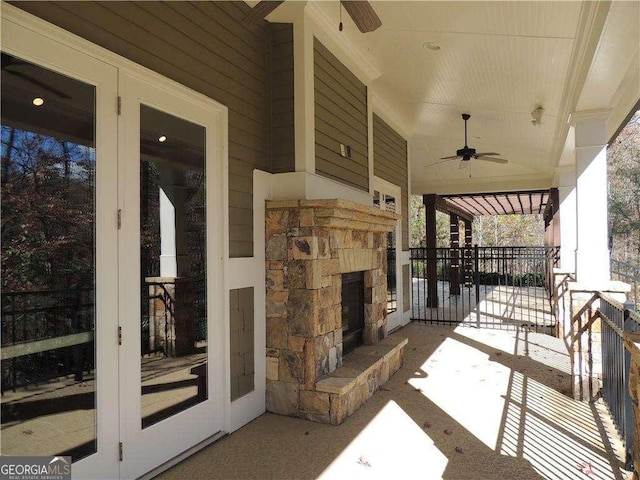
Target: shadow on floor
<point>468,404</point>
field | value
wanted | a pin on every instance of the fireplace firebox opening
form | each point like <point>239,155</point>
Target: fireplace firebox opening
<point>352,310</point>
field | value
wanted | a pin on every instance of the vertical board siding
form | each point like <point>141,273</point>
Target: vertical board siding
<point>241,342</point>
<point>390,164</point>
<point>406,285</point>
<point>341,118</point>
<point>281,79</point>
<point>203,46</point>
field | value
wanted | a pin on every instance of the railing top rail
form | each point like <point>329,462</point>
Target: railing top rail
<point>484,250</point>
<point>625,264</point>
<point>635,316</point>
<point>48,292</point>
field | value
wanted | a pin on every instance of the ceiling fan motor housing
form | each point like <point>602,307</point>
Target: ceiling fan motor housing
<point>466,152</point>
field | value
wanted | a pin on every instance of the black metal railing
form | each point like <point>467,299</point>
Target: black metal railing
<point>628,273</point>
<point>498,287</point>
<point>31,320</point>
<point>616,363</point>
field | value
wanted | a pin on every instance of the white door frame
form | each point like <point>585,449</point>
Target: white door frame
<point>145,449</point>
<point>385,188</point>
<point>40,42</point>
<point>34,45</point>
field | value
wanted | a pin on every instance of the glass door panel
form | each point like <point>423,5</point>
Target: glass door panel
<point>48,262</point>
<point>171,381</point>
<point>392,291</point>
<point>173,280</point>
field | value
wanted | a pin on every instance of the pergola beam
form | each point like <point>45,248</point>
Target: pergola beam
<point>501,204</point>
<point>448,207</point>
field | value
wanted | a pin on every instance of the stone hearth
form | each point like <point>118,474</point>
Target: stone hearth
<point>309,245</point>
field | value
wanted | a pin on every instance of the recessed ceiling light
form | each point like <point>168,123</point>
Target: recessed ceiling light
<point>162,139</point>
<point>38,101</point>
<point>432,46</point>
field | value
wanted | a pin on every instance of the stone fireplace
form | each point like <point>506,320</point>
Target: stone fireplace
<point>311,247</point>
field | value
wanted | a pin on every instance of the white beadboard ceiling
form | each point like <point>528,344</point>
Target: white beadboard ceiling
<point>498,62</point>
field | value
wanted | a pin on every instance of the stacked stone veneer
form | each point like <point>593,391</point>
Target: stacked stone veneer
<point>309,245</point>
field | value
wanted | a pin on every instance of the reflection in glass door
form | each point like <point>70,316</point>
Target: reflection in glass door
<point>171,302</point>
<point>173,265</point>
<point>392,291</point>
<point>48,262</point>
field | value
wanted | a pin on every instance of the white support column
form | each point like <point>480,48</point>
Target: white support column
<point>303,92</point>
<point>568,228</point>
<point>592,251</point>
<point>168,260</point>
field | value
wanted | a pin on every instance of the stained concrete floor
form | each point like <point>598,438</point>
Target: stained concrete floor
<point>467,404</point>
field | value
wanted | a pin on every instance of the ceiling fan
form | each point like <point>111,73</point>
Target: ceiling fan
<point>360,11</point>
<point>11,65</point>
<point>466,153</point>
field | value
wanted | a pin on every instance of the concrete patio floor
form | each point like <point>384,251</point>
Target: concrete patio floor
<point>467,404</point>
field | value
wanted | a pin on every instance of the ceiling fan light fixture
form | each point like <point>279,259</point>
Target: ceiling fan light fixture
<point>38,101</point>
<point>432,46</point>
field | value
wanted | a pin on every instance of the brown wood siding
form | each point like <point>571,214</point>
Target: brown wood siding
<point>390,164</point>
<point>201,45</point>
<point>281,79</point>
<point>341,118</point>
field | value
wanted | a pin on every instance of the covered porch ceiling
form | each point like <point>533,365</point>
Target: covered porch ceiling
<point>498,61</point>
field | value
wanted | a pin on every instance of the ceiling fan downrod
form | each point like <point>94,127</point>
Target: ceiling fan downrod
<point>465,117</point>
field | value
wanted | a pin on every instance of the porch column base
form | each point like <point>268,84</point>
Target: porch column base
<point>586,349</point>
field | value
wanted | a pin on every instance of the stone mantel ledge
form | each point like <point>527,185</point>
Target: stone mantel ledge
<point>339,213</point>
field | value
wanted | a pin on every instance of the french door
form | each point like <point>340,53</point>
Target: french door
<point>59,253</point>
<point>112,334</point>
<point>171,392</point>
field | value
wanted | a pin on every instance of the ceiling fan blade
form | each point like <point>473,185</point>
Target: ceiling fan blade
<point>437,163</point>
<point>486,154</point>
<point>493,160</point>
<point>362,14</point>
<point>260,11</point>
<point>450,158</point>
<point>38,83</point>
<point>463,164</point>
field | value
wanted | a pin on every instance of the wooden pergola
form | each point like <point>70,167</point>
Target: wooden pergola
<point>464,207</point>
